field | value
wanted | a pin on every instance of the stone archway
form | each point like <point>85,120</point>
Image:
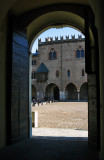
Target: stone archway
<point>84,91</point>
<point>52,91</point>
<point>71,92</point>
<point>81,15</point>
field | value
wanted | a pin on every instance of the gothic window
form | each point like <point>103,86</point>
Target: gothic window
<point>34,62</point>
<point>68,73</point>
<point>57,73</point>
<point>33,75</point>
<point>82,72</point>
<point>80,53</point>
<point>52,55</point>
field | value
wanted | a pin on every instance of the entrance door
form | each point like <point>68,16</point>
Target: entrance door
<point>18,97</point>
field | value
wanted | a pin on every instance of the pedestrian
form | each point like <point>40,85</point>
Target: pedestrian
<point>34,102</point>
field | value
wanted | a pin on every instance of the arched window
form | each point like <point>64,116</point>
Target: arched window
<point>82,53</point>
<point>68,73</point>
<point>33,75</point>
<point>57,73</point>
<point>82,72</point>
<point>34,62</point>
<point>52,55</point>
<point>78,53</point>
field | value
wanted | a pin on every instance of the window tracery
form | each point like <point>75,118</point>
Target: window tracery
<point>68,73</point>
<point>80,53</point>
<point>52,54</point>
<point>34,62</point>
<point>33,75</point>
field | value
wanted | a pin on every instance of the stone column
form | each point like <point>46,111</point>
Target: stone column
<point>40,95</point>
<point>62,96</point>
<point>78,94</point>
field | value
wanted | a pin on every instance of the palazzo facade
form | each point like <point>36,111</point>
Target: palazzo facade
<point>58,69</point>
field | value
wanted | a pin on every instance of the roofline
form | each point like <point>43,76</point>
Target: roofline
<point>61,41</point>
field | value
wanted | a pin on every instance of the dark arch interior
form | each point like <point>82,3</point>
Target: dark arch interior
<point>84,91</point>
<point>56,93</point>
<point>71,92</point>
<point>52,91</point>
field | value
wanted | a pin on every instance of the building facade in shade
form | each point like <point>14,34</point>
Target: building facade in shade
<point>58,69</point>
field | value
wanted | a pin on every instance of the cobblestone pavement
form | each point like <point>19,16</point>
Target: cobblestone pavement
<point>72,115</point>
<point>55,147</point>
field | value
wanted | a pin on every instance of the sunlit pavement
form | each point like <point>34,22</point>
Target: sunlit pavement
<point>59,132</point>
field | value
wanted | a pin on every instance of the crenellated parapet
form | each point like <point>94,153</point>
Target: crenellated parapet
<point>39,41</point>
<point>61,38</point>
<point>49,40</point>
<point>67,38</point>
<point>73,37</point>
<point>56,38</point>
<point>79,37</point>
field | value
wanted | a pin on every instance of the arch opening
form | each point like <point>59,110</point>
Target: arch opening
<point>45,26</point>
<point>50,24</point>
<point>71,92</point>
<point>82,27</point>
<point>52,92</point>
<point>56,93</point>
<point>84,91</point>
<point>61,19</point>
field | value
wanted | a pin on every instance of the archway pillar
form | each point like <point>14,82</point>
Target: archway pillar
<point>40,95</point>
<point>30,115</point>
<point>78,91</point>
<point>62,95</point>
<point>92,69</point>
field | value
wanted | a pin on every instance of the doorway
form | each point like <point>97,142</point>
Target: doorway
<point>60,21</point>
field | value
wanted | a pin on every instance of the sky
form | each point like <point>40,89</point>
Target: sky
<point>56,32</point>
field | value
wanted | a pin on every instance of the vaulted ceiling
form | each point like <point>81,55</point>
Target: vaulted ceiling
<point>21,6</point>
<point>40,15</point>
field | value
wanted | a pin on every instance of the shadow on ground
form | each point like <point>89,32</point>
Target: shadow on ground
<point>51,148</point>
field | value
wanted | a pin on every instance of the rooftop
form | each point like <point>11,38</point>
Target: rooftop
<point>42,68</point>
